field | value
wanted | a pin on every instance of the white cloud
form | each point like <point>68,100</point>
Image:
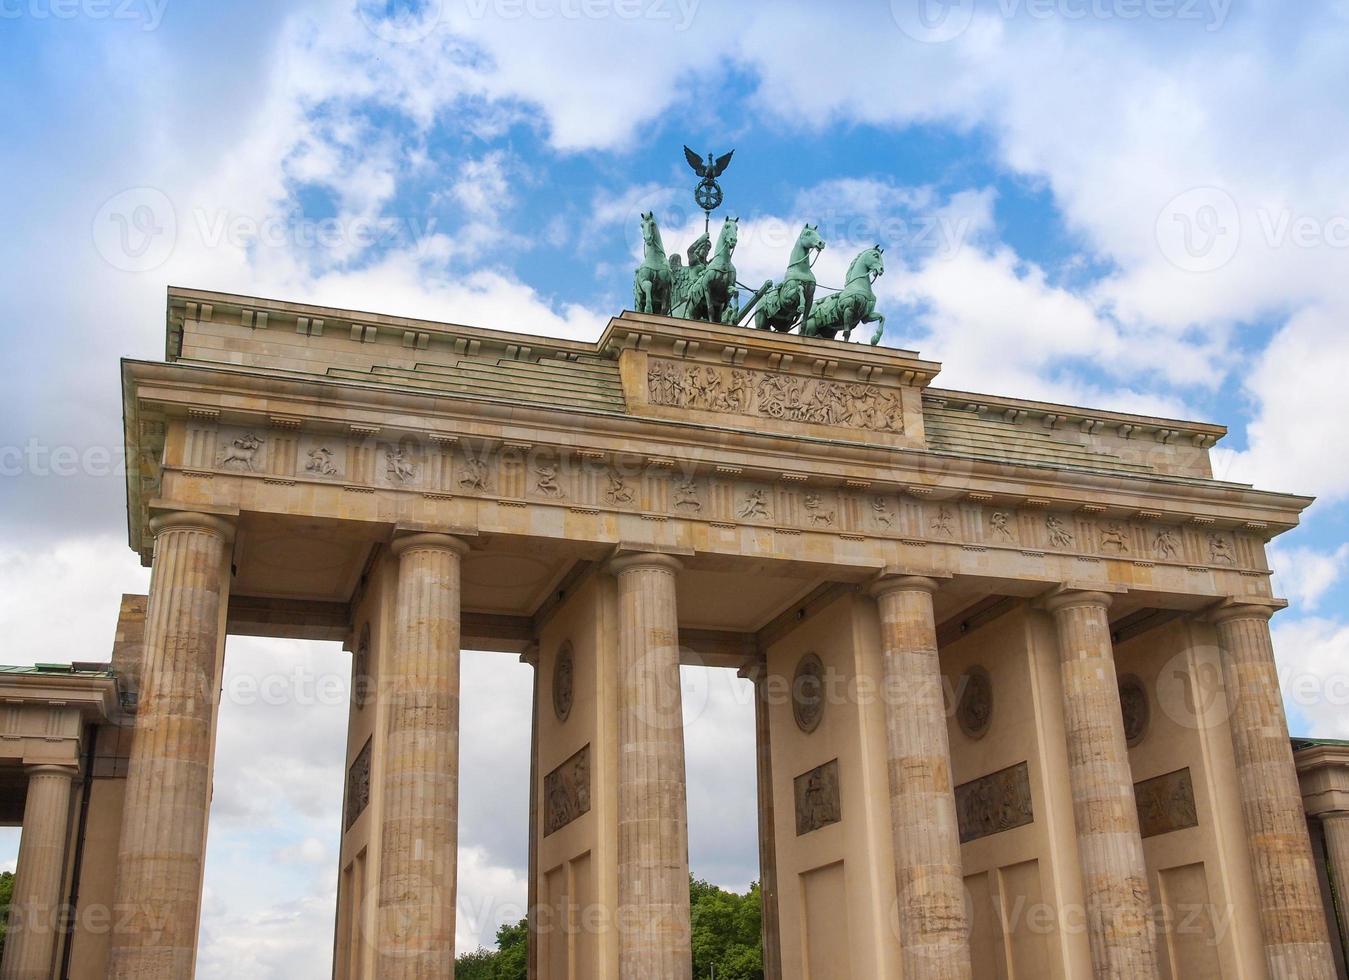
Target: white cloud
<point>1304,575</point>
<point>1313,658</point>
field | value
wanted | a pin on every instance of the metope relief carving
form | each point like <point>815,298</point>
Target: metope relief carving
<point>1166,544</point>
<point>1001,523</point>
<point>1166,803</point>
<point>475,475</point>
<point>686,496</point>
<point>744,392</point>
<point>358,786</point>
<point>546,480</point>
<point>754,506</point>
<point>1059,534</point>
<point>995,803</point>
<point>322,462</point>
<point>819,514</point>
<point>818,803</point>
<point>882,511</point>
<point>942,522</point>
<point>241,453</point>
<point>618,491</point>
<point>808,693</point>
<point>1220,552</point>
<point>1114,539</point>
<point>1134,708</point>
<point>974,710</point>
<point>564,682</point>
<point>566,792</point>
<point>399,464</point>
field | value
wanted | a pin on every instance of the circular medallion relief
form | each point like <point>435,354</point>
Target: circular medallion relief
<point>360,670</point>
<point>564,677</point>
<point>974,710</point>
<point>808,693</point>
<point>1135,707</point>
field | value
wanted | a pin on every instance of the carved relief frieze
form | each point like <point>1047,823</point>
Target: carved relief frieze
<point>808,694</point>
<point>883,512</point>
<point>1166,803</point>
<point>475,474</point>
<point>362,683</point>
<point>754,505</point>
<point>1114,538</point>
<point>688,498</point>
<point>1001,526</point>
<point>358,785</point>
<point>1060,534</point>
<point>321,461</point>
<point>735,391</point>
<point>564,682</point>
<point>400,465</point>
<point>1166,543</point>
<point>566,792</point>
<point>819,514</point>
<point>818,802</point>
<point>242,453</point>
<point>1135,708</point>
<point>995,803</point>
<point>974,709</point>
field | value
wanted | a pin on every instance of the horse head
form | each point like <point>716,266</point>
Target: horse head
<point>869,264</point>
<point>809,240</point>
<point>729,237</point>
<point>651,232</point>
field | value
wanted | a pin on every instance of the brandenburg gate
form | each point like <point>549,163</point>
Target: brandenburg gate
<point>1016,700</point>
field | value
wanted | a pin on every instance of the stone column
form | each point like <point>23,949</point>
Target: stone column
<point>1114,876</point>
<point>30,944</point>
<point>168,787</point>
<point>653,850</point>
<point>934,932</point>
<point>419,826</point>
<point>1292,918</point>
<point>1335,826</point>
<point>531,657</point>
<point>757,671</point>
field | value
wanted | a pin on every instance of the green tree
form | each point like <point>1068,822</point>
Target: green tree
<point>509,961</point>
<point>6,895</point>
<point>726,932</point>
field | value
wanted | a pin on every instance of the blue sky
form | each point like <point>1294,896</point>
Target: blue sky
<point>1137,205</point>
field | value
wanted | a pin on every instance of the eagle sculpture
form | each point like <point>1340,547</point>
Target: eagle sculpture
<point>710,170</point>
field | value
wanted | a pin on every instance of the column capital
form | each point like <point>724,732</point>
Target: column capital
<point>1245,607</point>
<point>1068,596</point>
<point>895,581</point>
<point>428,541</point>
<point>52,769</point>
<point>181,520</point>
<point>626,561</point>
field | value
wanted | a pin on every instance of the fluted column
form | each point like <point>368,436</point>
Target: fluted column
<point>934,933</point>
<point>1292,918</point>
<point>653,853</point>
<point>419,826</point>
<point>757,672</point>
<point>531,657</point>
<point>1110,847</point>
<point>1335,826</point>
<point>168,788</point>
<point>30,943</point>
